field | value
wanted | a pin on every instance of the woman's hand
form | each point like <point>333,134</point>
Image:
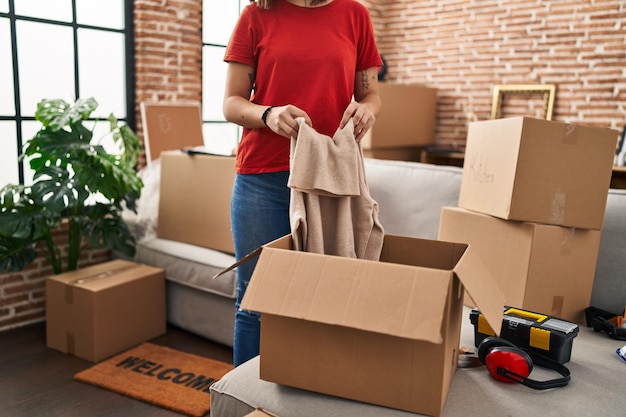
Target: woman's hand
<point>366,105</point>
<point>238,108</point>
<point>282,120</point>
<point>362,117</point>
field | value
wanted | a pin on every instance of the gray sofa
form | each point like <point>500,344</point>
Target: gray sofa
<point>195,302</point>
<point>410,197</point>
<point>204,306</point>
<point>609,286</point>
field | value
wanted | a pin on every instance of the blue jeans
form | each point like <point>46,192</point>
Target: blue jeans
<point>259,214</point>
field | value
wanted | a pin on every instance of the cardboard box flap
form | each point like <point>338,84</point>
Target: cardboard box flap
<point>398,300</point>
<point>284,242</point>
<point>259,412</point>
<point>481,286</point>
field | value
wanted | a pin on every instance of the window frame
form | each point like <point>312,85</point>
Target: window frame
<point>240,4</point>
<point>18,118</point>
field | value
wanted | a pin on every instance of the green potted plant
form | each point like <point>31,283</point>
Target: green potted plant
<point>75,180</point>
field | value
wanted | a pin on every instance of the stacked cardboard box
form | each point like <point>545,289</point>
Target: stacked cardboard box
<point>405,125</point>
<point>532,203</point>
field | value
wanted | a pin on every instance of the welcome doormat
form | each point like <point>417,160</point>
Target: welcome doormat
<point>161,376</point>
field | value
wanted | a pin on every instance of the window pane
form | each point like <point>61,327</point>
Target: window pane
<point>29,130</point>
<point>220,138</point>
<point>45,9</point>
<point>7,106</point>
<point>8,156</point>
<point>213,82</point>
<point>45,71</point>
<point>218,20</point>
<point>102,136</point>
<point>4,6</point>
<point>105,13</point>
<point>101,70</point>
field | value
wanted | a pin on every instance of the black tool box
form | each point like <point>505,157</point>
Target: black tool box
<point>546,335</point>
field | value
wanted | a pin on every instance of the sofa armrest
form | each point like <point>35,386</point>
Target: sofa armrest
<point>609,286</point>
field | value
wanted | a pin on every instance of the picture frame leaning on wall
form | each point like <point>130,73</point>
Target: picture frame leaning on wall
<point>514,94</point>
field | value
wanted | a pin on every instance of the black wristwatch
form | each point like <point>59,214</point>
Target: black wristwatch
<point>265,113</point>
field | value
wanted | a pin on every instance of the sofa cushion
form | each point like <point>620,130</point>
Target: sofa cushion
<point>190,265</point>
<point>609,286</point>
<point>421,188</point>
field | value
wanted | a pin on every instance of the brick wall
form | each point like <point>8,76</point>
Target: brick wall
<point>464,47</point>
<point>168,52</point>
<point>461,47</point>
<point>22,294</point>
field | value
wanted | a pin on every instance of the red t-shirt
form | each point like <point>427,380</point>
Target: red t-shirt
<point>307,57</point>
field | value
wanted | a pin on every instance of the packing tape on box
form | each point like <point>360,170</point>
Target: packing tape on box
<point>557,208</point>
<point>557,305</point>
<point>69,289</point>
<point>567,239</point>
<point>571,134</point>
<point>101,275</point>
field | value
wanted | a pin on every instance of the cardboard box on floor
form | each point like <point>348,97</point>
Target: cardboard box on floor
<point>541,171</point>
<point>194,201</point>
<point>385,332</point>
<point>543,268</point>
<point>98,311</point>
<point>408,118</point>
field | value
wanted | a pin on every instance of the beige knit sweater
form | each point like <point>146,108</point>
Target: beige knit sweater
<point>331,210</point>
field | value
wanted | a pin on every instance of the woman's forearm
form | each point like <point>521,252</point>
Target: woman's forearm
<point>241,111</point>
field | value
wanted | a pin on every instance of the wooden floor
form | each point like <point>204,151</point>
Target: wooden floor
<point>38,381</point>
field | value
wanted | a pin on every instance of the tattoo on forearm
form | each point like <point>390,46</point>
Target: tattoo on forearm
<point>365,83</point>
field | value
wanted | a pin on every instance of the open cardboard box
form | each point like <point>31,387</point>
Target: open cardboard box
<point>385,332</point>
